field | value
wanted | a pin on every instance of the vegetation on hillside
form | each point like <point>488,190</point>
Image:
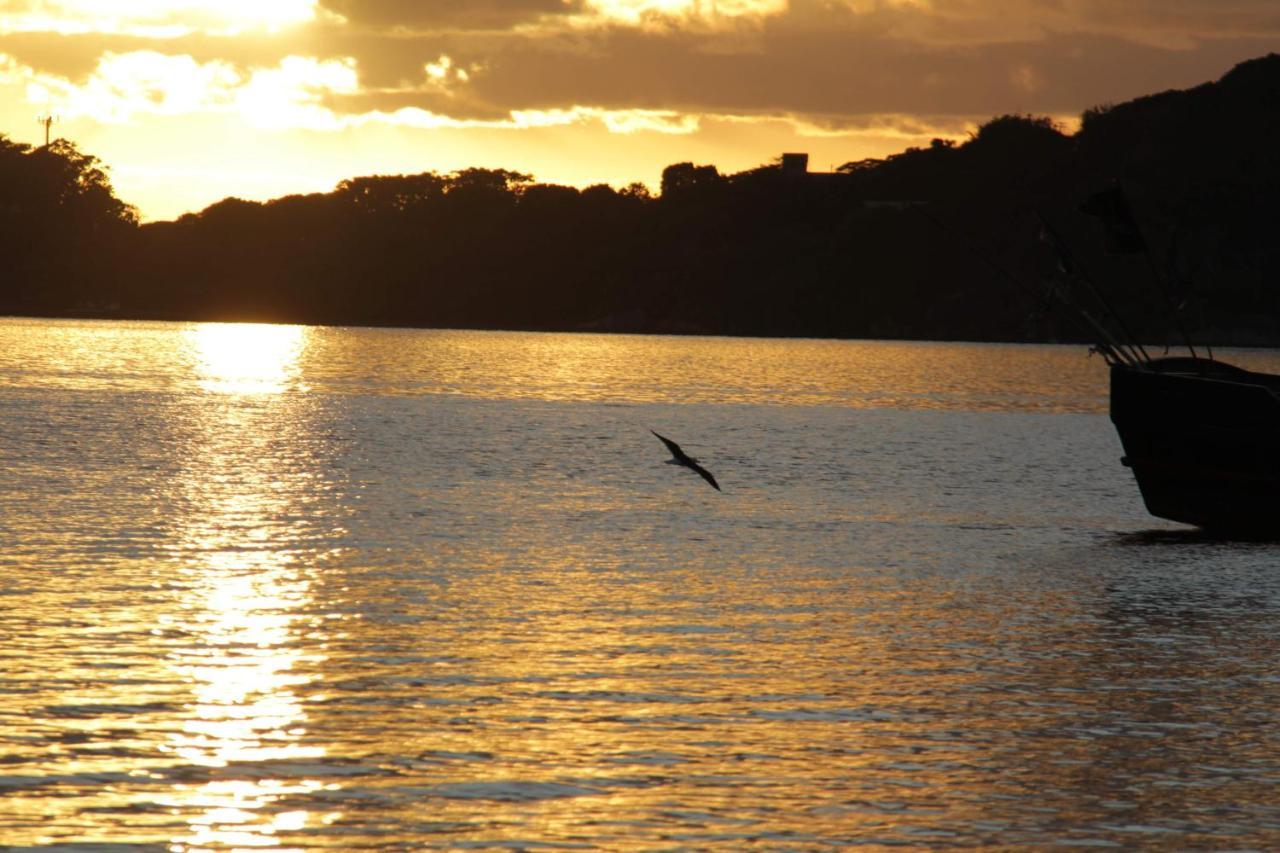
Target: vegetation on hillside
<point>63,232</point>
<point>925,243</point>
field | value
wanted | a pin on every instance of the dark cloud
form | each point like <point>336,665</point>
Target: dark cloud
<point>397,60</point>
<point>74,57</point>
<point>1191,18</point>
<point>965,21</point>
<point>831,62</point>
<point>455,106</point>
<point>784,70</point>
<point>821,58</point>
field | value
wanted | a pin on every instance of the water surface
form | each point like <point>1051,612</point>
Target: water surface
<point>290,588</point>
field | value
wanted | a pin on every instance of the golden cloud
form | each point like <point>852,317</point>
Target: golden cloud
<point>160,19</point>
<point>145,82</point>
<point>680,13</point>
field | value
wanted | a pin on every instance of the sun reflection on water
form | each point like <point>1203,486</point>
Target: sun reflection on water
<point>252,644</point>
<point>436,601</point>
<point>247,358</point>
<point>242,671</point>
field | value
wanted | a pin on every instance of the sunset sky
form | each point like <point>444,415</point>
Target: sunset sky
<point>189,101</point>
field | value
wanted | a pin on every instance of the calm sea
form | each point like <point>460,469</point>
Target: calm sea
<point>268,588</point>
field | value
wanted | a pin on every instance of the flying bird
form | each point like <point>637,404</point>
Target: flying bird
<point>679,457</point>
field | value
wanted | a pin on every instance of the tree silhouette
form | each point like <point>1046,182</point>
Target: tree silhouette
<point>904,246</point>
<point>392,194</point>
<point>62,229</point>
<point>683,178</point>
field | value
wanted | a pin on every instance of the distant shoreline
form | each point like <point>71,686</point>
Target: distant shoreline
<point>1241,342</point>
<point>1147,219</point>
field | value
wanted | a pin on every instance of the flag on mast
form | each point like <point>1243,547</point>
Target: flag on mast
<point>1121,232</point>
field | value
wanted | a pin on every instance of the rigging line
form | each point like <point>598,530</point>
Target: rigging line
<point>1163,290</point>
<point>1107,342</point>
<point>1160,285</point>
<point>1082,275</point>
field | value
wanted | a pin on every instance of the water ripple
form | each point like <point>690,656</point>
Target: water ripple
<point>408,590</point>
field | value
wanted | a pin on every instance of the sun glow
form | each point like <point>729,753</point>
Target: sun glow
<point>247,358</point>
<point>245,604</point>
<point>158,18</point>
<point>124,86</point>
<point>290,95</point>
<point>246,608</point>
<point>639,11</point>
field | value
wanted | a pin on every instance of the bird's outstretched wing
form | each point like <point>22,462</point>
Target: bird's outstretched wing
<point>679,454</point>
<point>706,475</point>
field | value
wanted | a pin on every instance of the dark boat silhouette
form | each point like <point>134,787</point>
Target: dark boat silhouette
<point>1202,438</point>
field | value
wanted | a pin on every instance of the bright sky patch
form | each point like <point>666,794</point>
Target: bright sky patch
<point>156,18</point>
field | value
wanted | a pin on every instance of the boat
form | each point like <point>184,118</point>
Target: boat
<point>1202,438</point>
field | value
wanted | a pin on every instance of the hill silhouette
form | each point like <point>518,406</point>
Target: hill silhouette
<point>922,244</point>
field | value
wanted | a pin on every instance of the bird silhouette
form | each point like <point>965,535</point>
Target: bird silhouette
<point>679,457</point>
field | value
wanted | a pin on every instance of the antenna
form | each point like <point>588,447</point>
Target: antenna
<point>47,120</point>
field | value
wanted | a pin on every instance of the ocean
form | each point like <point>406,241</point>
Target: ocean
<point>290,588</point>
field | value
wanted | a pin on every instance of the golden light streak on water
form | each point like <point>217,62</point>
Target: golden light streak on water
<point>246,591</point>
<point>246,358</point>
<point>450,596</point>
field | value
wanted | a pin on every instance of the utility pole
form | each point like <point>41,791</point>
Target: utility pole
<point>47,120</point>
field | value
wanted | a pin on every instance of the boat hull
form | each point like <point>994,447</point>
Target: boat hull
<point>1203,441</point>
